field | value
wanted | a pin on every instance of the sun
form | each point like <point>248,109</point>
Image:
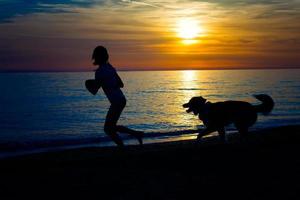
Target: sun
<point>188,30</point>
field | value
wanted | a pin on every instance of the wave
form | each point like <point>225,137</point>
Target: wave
<point>14,147</point>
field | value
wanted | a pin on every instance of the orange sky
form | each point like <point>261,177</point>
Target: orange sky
<point>60,35</point>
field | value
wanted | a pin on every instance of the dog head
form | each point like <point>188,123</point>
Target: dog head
<point>195,104</point>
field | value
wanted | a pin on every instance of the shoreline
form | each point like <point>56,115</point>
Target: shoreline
<point>265,166</point>
<point>151,138</point>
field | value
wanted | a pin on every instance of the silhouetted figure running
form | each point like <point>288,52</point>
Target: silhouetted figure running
<point>106,77</point>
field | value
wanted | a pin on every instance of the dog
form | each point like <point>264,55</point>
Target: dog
<point>216,116</point>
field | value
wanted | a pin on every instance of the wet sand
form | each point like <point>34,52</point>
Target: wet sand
<point>265,166</point>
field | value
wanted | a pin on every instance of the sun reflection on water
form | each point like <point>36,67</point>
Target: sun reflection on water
<point>189,83</point>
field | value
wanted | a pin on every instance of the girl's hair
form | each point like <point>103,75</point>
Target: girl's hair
<point>100,55</point>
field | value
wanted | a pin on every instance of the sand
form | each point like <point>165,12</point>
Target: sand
<point>265,166</point>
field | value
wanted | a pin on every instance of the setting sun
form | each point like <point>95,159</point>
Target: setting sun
<point>188,30</point>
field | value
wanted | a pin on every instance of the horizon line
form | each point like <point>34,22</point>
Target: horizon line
<point>149,69</point>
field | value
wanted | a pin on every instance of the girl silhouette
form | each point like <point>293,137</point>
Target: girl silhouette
<point>106,77</point>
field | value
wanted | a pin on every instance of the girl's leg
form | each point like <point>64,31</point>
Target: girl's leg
<point>110,126</point>
<point>137,134</point>
<point>114,136</point>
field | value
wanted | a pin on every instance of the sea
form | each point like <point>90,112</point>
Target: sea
<point>50,111</point>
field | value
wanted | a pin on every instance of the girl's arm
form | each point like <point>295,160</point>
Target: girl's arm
<point>98,79</point>
<point>98,83</point>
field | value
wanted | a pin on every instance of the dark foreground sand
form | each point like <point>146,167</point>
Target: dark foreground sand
<point>266,166</point>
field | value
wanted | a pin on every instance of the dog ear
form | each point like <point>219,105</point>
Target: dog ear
<point>202,99</point>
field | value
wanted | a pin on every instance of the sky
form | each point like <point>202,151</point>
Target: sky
<point>60,35</point>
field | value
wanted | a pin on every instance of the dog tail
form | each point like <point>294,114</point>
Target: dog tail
<point>267,104</point>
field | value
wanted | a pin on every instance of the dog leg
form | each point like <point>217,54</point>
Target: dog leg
<point>243,133</point>
<point>205,132</point>
<point>222,135</point>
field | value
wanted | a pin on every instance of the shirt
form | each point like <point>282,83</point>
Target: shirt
<point>110,83</point>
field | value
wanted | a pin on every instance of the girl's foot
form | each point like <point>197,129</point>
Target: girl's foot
<point>139,136</point>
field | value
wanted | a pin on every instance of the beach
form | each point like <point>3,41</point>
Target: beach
<point>264,166</point>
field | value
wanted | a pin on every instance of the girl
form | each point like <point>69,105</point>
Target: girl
<point>106,77</point>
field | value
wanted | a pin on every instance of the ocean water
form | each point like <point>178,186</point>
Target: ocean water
<point>40,110</point>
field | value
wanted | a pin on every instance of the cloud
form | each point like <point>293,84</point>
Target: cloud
<point>141,33</point>
<point>142,3</point>
<point>13,8</point>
